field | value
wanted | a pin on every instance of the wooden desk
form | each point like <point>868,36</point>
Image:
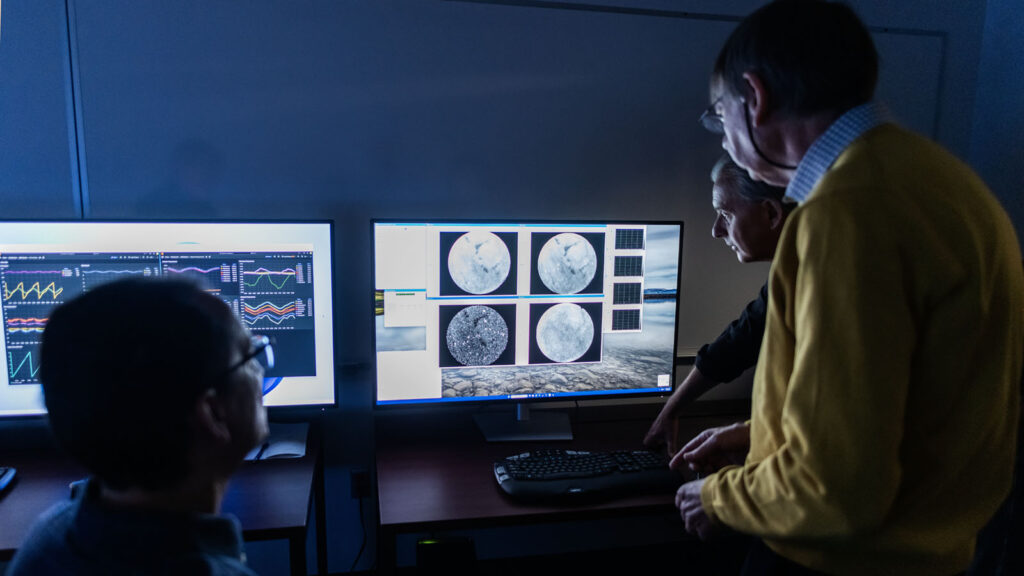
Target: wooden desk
<point>271,499</point>
<point>434,473</point>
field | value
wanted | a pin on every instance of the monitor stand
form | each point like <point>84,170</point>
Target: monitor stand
<point>286,440</point>
<point>524,425</point>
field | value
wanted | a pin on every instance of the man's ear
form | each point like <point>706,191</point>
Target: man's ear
<point>210,417</point>
<point>775,212</point>
<point>756,98</point>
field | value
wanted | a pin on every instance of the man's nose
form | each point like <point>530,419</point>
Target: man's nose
<point>716,228</point>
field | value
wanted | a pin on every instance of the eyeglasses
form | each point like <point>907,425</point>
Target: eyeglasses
<point>261,350</point>
<point>711,120</point>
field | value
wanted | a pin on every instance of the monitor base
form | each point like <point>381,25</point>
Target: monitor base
<point>286,440</point>
<point>544,425</point>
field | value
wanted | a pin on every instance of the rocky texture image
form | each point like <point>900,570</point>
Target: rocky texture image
<point>620,369</point>
<point>477,336</point>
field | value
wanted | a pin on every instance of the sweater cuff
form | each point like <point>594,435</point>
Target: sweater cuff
<point>707,496</point>
<point>711,492</point>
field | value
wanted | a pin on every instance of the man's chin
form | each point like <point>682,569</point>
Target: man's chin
<point>767,174</point>
<point>772,177</point>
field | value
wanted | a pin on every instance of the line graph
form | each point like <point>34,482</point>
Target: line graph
<point>145,272</point>
<point>276,278</point>
<point>36,288</point>
<point>95,274</point>
<point>15,370</point>
<point>193,269</point>
<point>209,273</point>
<point>206,276</point>
<point>272,313</point>
<point>26,324</point>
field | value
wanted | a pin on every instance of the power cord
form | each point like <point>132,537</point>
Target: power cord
<point>362,547</point>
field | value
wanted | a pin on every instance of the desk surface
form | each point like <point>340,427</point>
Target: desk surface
<point>435,472</point>
<point>270,498</point>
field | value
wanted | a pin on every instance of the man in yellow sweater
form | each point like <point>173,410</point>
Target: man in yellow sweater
<point>886,397</point>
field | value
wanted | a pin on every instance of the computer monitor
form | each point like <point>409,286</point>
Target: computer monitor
<point>275,276</point>
<point>519,312</point>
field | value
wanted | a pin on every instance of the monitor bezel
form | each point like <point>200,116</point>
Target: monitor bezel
<point>286,413</point>
<point>434,404</point>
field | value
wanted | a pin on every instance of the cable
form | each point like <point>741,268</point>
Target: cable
<point>363,546</point>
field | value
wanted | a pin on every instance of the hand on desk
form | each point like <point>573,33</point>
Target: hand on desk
<point>714,448</point>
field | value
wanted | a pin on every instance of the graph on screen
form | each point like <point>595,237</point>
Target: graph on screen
<point>274,276</point>
<point>271,292</point>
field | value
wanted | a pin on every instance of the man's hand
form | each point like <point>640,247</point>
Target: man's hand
<point>714,448</point>
<point>663,430</point>
<point>692,512</point>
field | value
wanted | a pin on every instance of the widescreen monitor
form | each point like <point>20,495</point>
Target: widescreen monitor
<point>524,311</point>
<point>275,276</point>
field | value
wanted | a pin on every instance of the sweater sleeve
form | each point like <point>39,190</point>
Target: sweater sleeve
<point>737,347</point>
<point>833,377</point>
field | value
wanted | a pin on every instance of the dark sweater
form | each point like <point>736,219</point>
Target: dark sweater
<point>82,536</point>
<point>736,349</point>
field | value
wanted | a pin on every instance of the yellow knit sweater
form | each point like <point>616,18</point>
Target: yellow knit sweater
<point>886,397</point>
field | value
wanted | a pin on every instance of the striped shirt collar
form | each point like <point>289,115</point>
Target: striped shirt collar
<point>830,145</point>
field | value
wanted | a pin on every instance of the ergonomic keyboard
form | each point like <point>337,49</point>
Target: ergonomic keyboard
<point>6,476</point>
<point>556,474</point>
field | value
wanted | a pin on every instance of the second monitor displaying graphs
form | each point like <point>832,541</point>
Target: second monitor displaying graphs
<point>271,292</point>
<point>275,276</point>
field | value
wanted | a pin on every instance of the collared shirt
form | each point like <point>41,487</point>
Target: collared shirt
<point>830,145</point>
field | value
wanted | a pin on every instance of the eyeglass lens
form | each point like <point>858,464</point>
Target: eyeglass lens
<point>711,120</point>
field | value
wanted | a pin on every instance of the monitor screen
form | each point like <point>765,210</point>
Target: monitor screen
<point>522,311</point>
<point>275,277</point>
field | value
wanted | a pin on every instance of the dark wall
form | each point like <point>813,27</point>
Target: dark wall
<point>997,145</point>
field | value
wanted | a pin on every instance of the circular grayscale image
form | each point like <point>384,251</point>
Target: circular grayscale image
<point>567,263</point>
<point>565,332</point>
<point>479,262</point>
<point>477,336</point>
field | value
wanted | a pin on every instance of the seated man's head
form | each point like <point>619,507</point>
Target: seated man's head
<point>750,214</point>
<point>150,383</point>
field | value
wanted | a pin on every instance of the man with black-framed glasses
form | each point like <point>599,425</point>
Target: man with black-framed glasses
<point>886,395</point>
<point>156,389</point>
